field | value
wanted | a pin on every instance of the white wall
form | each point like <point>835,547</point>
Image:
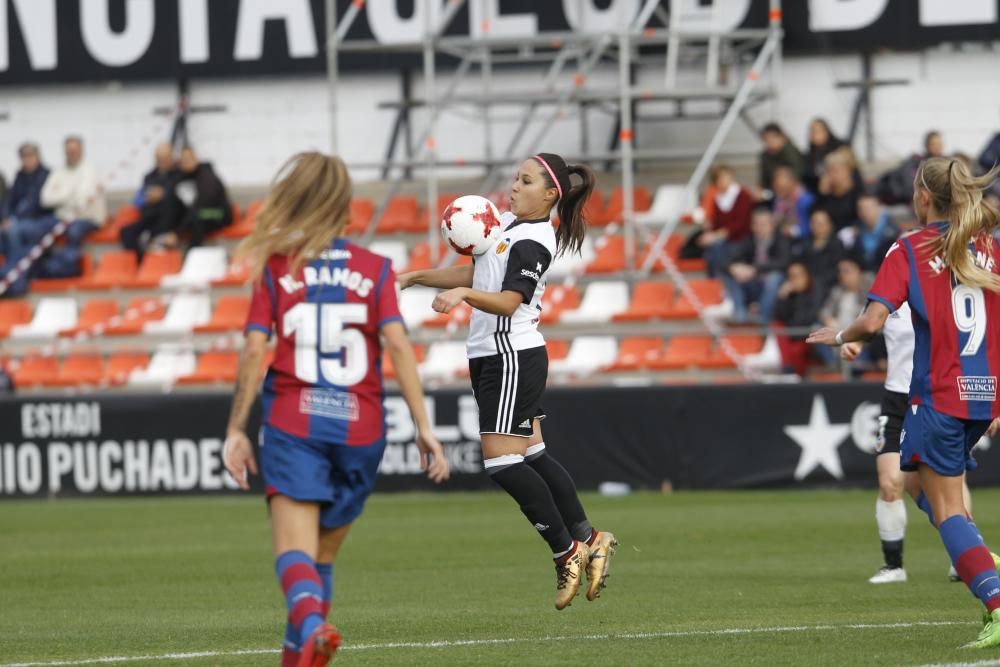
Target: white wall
<point>268,119</point>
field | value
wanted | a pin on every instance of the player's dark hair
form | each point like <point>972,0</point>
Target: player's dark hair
<point>572,225</point>
<point>957,194</point>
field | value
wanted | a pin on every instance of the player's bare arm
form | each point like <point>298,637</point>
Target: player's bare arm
<point>237,453</point>
<point>867,325</point>
<point>453,276</point>
<point>432,458</point>
<point>495,303</point>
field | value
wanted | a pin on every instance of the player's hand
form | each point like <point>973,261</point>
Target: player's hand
<point>994,428</point>
<point>445,301</point>
<point>850,351</point>
<point>237,455</point>
<point>824,336</point>
<point>432,458</point>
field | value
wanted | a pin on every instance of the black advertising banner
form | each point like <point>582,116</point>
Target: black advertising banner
<point>683,437</point>
<point>99,40</point>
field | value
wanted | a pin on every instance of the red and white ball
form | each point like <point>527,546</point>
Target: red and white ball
<point>471,225</point>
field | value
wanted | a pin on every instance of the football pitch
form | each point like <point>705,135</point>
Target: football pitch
<point>764,578</point>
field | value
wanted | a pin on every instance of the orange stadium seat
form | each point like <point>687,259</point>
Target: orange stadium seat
<point>230,315</point>
<point>636,353</point>
<point>79,369</point>
<point>154,266</point>
<point>115,269</point>
<point>683,352</point>
<point>95,312</point>
<point>420,258</point>
<point>593,210</point>
<point>35,371</point>
<point>610,255</point>
<point>673,246</point>
<point>242,226</point>
<point>121,364</point>
<point>213,367</point>
<point>137,313</point>
<point>557,349</point>
<point>362,210</point>
<point>641,201</point>
<point>237,274</point>
<point>124,216</point>
<point>63,284</point>
<point>742,345</point>
<point>709,291</point>
<point>459,315</point>
<point>12,313</point>
<point>651,300</point>
<point>556,299</point>
<point>389,371</point>
<point>400,214</point>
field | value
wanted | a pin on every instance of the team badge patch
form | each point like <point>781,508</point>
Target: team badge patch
<point>502,246</point>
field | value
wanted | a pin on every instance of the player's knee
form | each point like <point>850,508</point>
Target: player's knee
<point>890,490</point>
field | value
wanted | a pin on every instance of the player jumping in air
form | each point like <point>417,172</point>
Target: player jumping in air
<point>948,274</point>
<point>323,432</point>
<point>508,362</point>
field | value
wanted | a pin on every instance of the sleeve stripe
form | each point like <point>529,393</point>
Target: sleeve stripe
<point>253,326</point>
<point>883,301</point>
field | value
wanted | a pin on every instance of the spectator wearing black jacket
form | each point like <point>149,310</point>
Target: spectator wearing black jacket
<point>870,238</point>
<point>822,142</point>
<point>839,190</point>
<point>21,212</point>
<point>196,203</point>
<point>779,151</point>
<point>150,200</point>
<point>797,308</point>
<point>757,269</point>
<point>896,185</point>
<point>821,251</point>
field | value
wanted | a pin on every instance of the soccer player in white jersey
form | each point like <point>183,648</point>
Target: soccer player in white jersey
<point>508,362</point>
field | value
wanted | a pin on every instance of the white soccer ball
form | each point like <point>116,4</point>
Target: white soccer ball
<point>470,225</point>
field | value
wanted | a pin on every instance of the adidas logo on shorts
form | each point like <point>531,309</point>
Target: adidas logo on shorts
<point>525,424</point>
<point>541,527</point>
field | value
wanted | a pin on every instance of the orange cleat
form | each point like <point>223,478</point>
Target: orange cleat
<point>320,647</point>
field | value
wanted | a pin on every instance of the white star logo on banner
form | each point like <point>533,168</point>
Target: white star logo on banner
<point>819,440</point>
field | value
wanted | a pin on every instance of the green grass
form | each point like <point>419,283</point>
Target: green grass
<point>86,579</point>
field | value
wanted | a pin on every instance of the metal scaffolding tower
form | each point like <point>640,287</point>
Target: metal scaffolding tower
<point>752,53</point>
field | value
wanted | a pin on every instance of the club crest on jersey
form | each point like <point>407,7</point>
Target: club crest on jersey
<point>502,246</point>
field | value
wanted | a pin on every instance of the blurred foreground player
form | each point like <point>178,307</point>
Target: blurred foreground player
<point>323,431</point>
<point>948,274</point>
<point>509,364</point>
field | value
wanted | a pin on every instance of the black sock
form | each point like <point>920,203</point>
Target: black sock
<point>893,553</point>
<point>563,492</point>
<point>530,491</point>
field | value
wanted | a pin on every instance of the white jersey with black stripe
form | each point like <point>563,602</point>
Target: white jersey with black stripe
<point>517,261</point>
<point>899,343</point>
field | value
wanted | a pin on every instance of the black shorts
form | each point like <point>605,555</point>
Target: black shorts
<point>890,422</point>
<point>508,389</point>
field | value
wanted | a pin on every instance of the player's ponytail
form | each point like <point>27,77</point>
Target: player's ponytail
<point>572,198</point>
<point>307,206</point>
<point>955,192</point>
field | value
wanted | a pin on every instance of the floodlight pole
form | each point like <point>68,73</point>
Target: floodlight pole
<point>332,69</point>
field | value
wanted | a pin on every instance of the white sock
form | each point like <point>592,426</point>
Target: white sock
<point>891,519</point>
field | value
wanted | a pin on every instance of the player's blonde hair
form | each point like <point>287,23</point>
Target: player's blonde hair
<point>307,206</point>
<point>957,194</point>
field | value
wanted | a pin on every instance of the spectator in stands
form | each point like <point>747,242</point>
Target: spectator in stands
<point>822,142</point>
<point>757,269</point>
<point>21,211</point>
<point>150,200</point>
<point>838,189</point>
<point>730,222</point>
<point>840,308</point>
<point>870,238</point>
<point>779,151</point>
<point>796,308</point>
<point>896,185</point>
<point>821,251</point>
<point>792,203</point>
<point>76,194</point>
<point>196,204</point>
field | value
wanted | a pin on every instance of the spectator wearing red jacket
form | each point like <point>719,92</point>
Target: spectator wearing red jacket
<point>730,222</point>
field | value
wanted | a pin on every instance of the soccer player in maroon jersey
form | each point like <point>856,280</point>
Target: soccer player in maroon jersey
<point>323,434</point>
<point>949,276</point>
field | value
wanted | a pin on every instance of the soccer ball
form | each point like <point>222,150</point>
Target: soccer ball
<point>470,225</point>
